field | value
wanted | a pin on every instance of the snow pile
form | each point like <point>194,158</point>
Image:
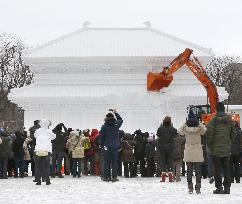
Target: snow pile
<point>90,189</point>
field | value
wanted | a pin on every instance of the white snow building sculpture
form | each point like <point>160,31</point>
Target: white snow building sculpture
<point>79,76</point>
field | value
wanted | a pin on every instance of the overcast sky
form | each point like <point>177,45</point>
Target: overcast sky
<point>215,24</point>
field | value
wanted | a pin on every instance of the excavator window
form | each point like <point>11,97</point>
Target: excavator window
<point>199,110</point>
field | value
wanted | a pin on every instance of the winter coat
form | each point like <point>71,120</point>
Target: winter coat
<point>193,148</point>
<point>178,148</point>
<point>32,131</point>
<point>220,134</point>
<point>74,145</point>
<point>139,148</point>
<point>91,152</point>
<point>150,150</point>
<point>235,146</point>
<point>166,136</point>
<point>109,133</point>
<point>59,143</point>
<point>127,144</point>
<point>17,147</point>
<point>26,149</point>
<point>44,136</point>
<point>157,152</point>
<point>5,147</point>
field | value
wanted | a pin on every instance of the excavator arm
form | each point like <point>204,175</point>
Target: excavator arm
<point>156,81</point>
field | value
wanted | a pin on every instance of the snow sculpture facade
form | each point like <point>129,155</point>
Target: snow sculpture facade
<point>78,77</point>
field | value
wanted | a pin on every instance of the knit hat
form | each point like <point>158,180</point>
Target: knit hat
<point>86,131</point>
<point>74,133</point>
<point>191,115</point>
<point>220,107</point>
<point>110,115</point>
<point>150,139</point>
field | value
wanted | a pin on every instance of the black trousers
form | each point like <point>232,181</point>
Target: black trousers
<point>150,167</point>
<point>42,168</point>
<point>222,164</point>
<point>166,159</point>
<point>3,167</point>
<point>111,155</point>
<point>235,167</point>
<point>128,169</point>
<point>139,159</point>
<point>91,160</point>
<point>194,166</point>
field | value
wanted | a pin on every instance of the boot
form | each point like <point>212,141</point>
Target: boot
<point>38,183</point>
<point>226,190</point>
<point>114,179</point>
<point>47,180</point>
<point>48,183</point>
<point>197,188</point>
<point>218,191</point>
<point>211,180</point>
<point>170,175</point>
<point>105,179</point>
<point>163,177</point>
<point>190,188</point>
<point>60,176</point>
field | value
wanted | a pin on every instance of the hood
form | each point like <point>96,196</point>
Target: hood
<point>110,121</point>
<point>94,132</point>
<point>128,136</point>
<point>44,123</point>
<point>222,117</point>
<point>192,122</point>
<point>74,133</point>
<point>192,129</point>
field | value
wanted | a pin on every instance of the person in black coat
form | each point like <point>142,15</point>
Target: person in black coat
<point>32,144</point>
<point>166,134</point>
<point>139,153</point>
<point>5,150</point>
<point>235,155</point>
<point>110,142</point>
<point>18,151</point>
<point>58,150</point>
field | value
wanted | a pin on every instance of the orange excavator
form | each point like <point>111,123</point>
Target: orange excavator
<point>157,81</point>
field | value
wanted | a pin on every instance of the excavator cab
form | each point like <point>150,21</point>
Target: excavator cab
<point>202,112</point>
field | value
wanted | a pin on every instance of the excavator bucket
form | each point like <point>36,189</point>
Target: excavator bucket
<point>156,81</point>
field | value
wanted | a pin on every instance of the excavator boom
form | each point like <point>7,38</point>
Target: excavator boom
<point>157,81</point>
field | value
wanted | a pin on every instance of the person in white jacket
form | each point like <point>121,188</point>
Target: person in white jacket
<point>43,149</point>
<point>193,153</point>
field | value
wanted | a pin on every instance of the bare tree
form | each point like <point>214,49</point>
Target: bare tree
<point>226,73</point>
<point>14,73</point>
<point>232,82</point>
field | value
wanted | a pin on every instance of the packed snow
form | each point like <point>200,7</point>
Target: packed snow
<point>90,189</point>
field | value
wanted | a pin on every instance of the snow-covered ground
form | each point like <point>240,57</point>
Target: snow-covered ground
<point>90,189</point>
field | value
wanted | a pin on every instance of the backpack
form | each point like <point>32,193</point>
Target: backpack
<point>86,144</point>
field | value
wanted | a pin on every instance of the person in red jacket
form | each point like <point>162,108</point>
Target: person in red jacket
<point>94,142</point>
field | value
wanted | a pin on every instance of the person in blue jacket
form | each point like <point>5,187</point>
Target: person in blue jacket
<point>110,142</point>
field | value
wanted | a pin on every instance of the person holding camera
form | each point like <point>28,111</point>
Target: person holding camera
<point>58,150</point>
<point>110,142</point>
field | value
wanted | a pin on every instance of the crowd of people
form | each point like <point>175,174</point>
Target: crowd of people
<point>211,150</point>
